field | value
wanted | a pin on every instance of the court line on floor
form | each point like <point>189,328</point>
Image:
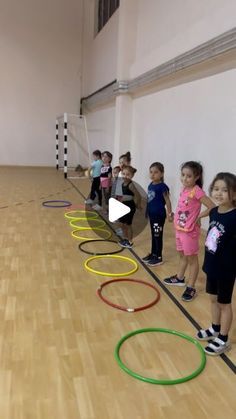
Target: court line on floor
<point>224,357</point>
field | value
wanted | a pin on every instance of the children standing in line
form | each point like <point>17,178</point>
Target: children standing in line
<point>187,226</point>
<point>158,202</point>
<point>96,172</point>
<point>105,178</point>
<point>132,198</point>
<point>220,262</point>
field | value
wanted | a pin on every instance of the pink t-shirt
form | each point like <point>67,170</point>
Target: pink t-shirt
<point>188,208</point>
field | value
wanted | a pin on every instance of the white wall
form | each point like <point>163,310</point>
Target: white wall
<point>40,43</point>
<point>99,50</point>
<point>167,28</point>
<point>101,126</point>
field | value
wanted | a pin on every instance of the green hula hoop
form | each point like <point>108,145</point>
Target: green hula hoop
<point>77,236</point>
<point>153,380</point>
<point>76,215</point>
<point>98,223</point>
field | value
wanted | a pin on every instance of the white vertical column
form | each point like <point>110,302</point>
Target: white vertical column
<point>57,145</point>
<point>128,12</point>
<point>65,144</point>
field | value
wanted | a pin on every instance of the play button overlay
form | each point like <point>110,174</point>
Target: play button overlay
<point>113,214</point>
<point>116,210</point>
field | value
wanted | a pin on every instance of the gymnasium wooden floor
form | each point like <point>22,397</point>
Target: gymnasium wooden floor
<point>57,337</point>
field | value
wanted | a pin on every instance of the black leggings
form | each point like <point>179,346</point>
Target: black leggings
<point>96,189</point>
<point>157,227</point>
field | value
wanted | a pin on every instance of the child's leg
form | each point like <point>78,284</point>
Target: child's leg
<point>226,317</point>
<point>125,230</point>
<point>157,225</point>
<point>183,263</point>
<point>214,329</point>
<point>223,315</point>
<point>107,195</point>
<point>93,188</point>
<point>215,310</point>
<point>129,232</point>
<point>193,264</point>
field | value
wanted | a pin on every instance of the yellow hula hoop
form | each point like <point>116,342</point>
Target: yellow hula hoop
<point>76,236</point>
<point>86,265</point>
<point>100,223</point>
<point>72,215</point>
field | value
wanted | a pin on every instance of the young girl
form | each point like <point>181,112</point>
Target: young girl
<point>105,179</point>
<point>220,262</point>
<point>96,172</point>
<point>125,160</point>
<point>187,226</point>
<point>158,199</point>
<point>132,198</point>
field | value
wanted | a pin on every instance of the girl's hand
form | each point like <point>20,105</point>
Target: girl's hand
<point>198,222</point>
<point>170,217</point>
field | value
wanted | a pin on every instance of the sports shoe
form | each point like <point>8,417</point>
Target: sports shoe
<point>88,201</point>
<point>155,261</point>
<point>147,258</point>
<point>174,280</point>
<point>97,207</point>
<point>217,347</point>
<point>125,243</point>
<point>207,334</point>
<point>189,294</point>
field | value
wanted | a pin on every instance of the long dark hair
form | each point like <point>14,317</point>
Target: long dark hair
<point>197,170</point>
<point>230,181</point>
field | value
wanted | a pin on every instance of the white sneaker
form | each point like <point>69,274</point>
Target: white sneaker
<point>97,207</point>
<point>88,201</point>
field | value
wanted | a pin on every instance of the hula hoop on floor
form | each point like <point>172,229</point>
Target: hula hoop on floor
<point>194,374</point>
<point>72,215</point>
<point>100,223</point>
<point>76,207</point>
<point>62,204</point>
<point>130,310</point>
<point>99,253</point>
<point>86,265</point>
<point>77,236</point>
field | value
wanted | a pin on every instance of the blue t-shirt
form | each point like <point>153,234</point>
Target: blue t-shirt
<point>155,200</point>
<point>96,167</point>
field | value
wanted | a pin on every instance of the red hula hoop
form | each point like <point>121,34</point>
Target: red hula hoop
<point>75,207</point>
<point>129,310</point>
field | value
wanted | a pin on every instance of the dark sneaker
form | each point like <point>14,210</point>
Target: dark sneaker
<point>174,280</point>
<point>189,294</point>
<point>125,243</point>
<point>147,258</point>
<point>155,261</point>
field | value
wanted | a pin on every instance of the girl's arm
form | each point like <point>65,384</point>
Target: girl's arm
<point>205,200</point>
<point>137,196</point>
<point>168,206</point>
